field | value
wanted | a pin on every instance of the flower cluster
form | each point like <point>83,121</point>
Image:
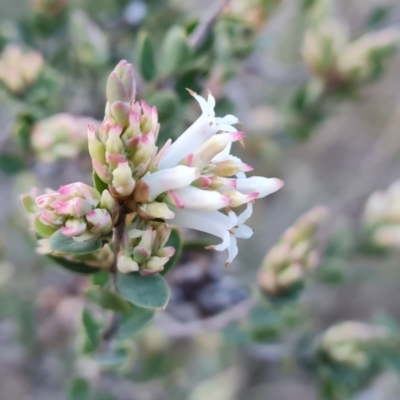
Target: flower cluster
<point>334,59</point>
<point>77,210</point>
<point>382,217</point>
<point>286,264</point>
<point>185,183</point>
<point>19,69</point>
<point>348,343</point>
<point>60,136</point>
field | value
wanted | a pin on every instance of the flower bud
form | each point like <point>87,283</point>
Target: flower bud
<point>122,179</point>
<point>125,264</point>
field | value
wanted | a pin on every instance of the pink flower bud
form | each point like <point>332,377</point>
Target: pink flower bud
<point>237,198</point>
<point>96,149</point>
<point>101,171</point>
<point>101,221</point>
<point>120,112</point>
<point>114,144</point>
<point>122,179</point>
<point>125,264</point>
<point>73,227</point>
<point>76,207</point>
<point>230,167</point>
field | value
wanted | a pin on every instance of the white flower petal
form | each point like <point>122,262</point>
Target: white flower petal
<point>245,215</point>
<point>170,179</point>
<point>243,232</point>
<point>262,186</point>
<point>232,249</point>
<point>207,200</point>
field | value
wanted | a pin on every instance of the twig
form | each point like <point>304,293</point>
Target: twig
<point>119,230</point>
<point>176,329</point>
<point>203,29</point>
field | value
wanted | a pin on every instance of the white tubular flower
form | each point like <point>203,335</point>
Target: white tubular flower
<point>258,184</point>
<point>170,179</point>
<point>197,134</point>
<point>192,197</point>
<point>227,227</point>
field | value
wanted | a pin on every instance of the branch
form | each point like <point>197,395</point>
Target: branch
<point>200,34</point>
<point>176,329</point>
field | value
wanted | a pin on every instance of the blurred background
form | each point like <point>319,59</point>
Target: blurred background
<point>316,86</point>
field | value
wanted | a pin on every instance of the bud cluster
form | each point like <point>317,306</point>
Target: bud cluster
<point>19,68</point>
<point>124,146</point>
<point>382,217</point>
<point>348,343</point>
<point>145,250</point>
<point>286,264</point>
<point>335,59</point>
<point>60,136</point>
<point>77,210</point>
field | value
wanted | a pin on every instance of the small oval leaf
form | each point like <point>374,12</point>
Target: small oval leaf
<point>175,50</point>
<point>107,299</point>
<point>166,101</point>
<point>74,266</point>
<point>145,55</point>
<point>63,244</point>
<point>137,319</point>
<point>149,291</point>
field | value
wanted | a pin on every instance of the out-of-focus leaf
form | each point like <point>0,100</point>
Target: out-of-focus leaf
<point>137,319</point>
<point>74,266</point>
<point>98,183</point>
<point>166,101</point>
<point>11,163</point>
<point>91,332</point>
<point>175,50</point>
<point>224,106</point>
<point>23,127</point>
<point>79,389</point>
<point>145,55</point>
<point>42,229</point>
<point>150,291</point>
<point>175,241</point>
<point>107,299</point>
<point>100,278</point>
<point>112,360</point>
<point>62,244</point>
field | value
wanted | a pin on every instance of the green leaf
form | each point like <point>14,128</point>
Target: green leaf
<point>107,299</point>
<point>149,291</point>
<point>112,360</point>
<point>42,229</point>
<point>74,266</point>
<point>92,332</point>
<point>100,278</point>
<point>98,183</point>
<point>23,128</point>
<point>62,244</point>
<point>166,101</point>
<point>11,163</point>
<point>175,50</point>
<point>138,319</point>
<point>145,55</point>
<point>175,241</point>
<point>79,389</point>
